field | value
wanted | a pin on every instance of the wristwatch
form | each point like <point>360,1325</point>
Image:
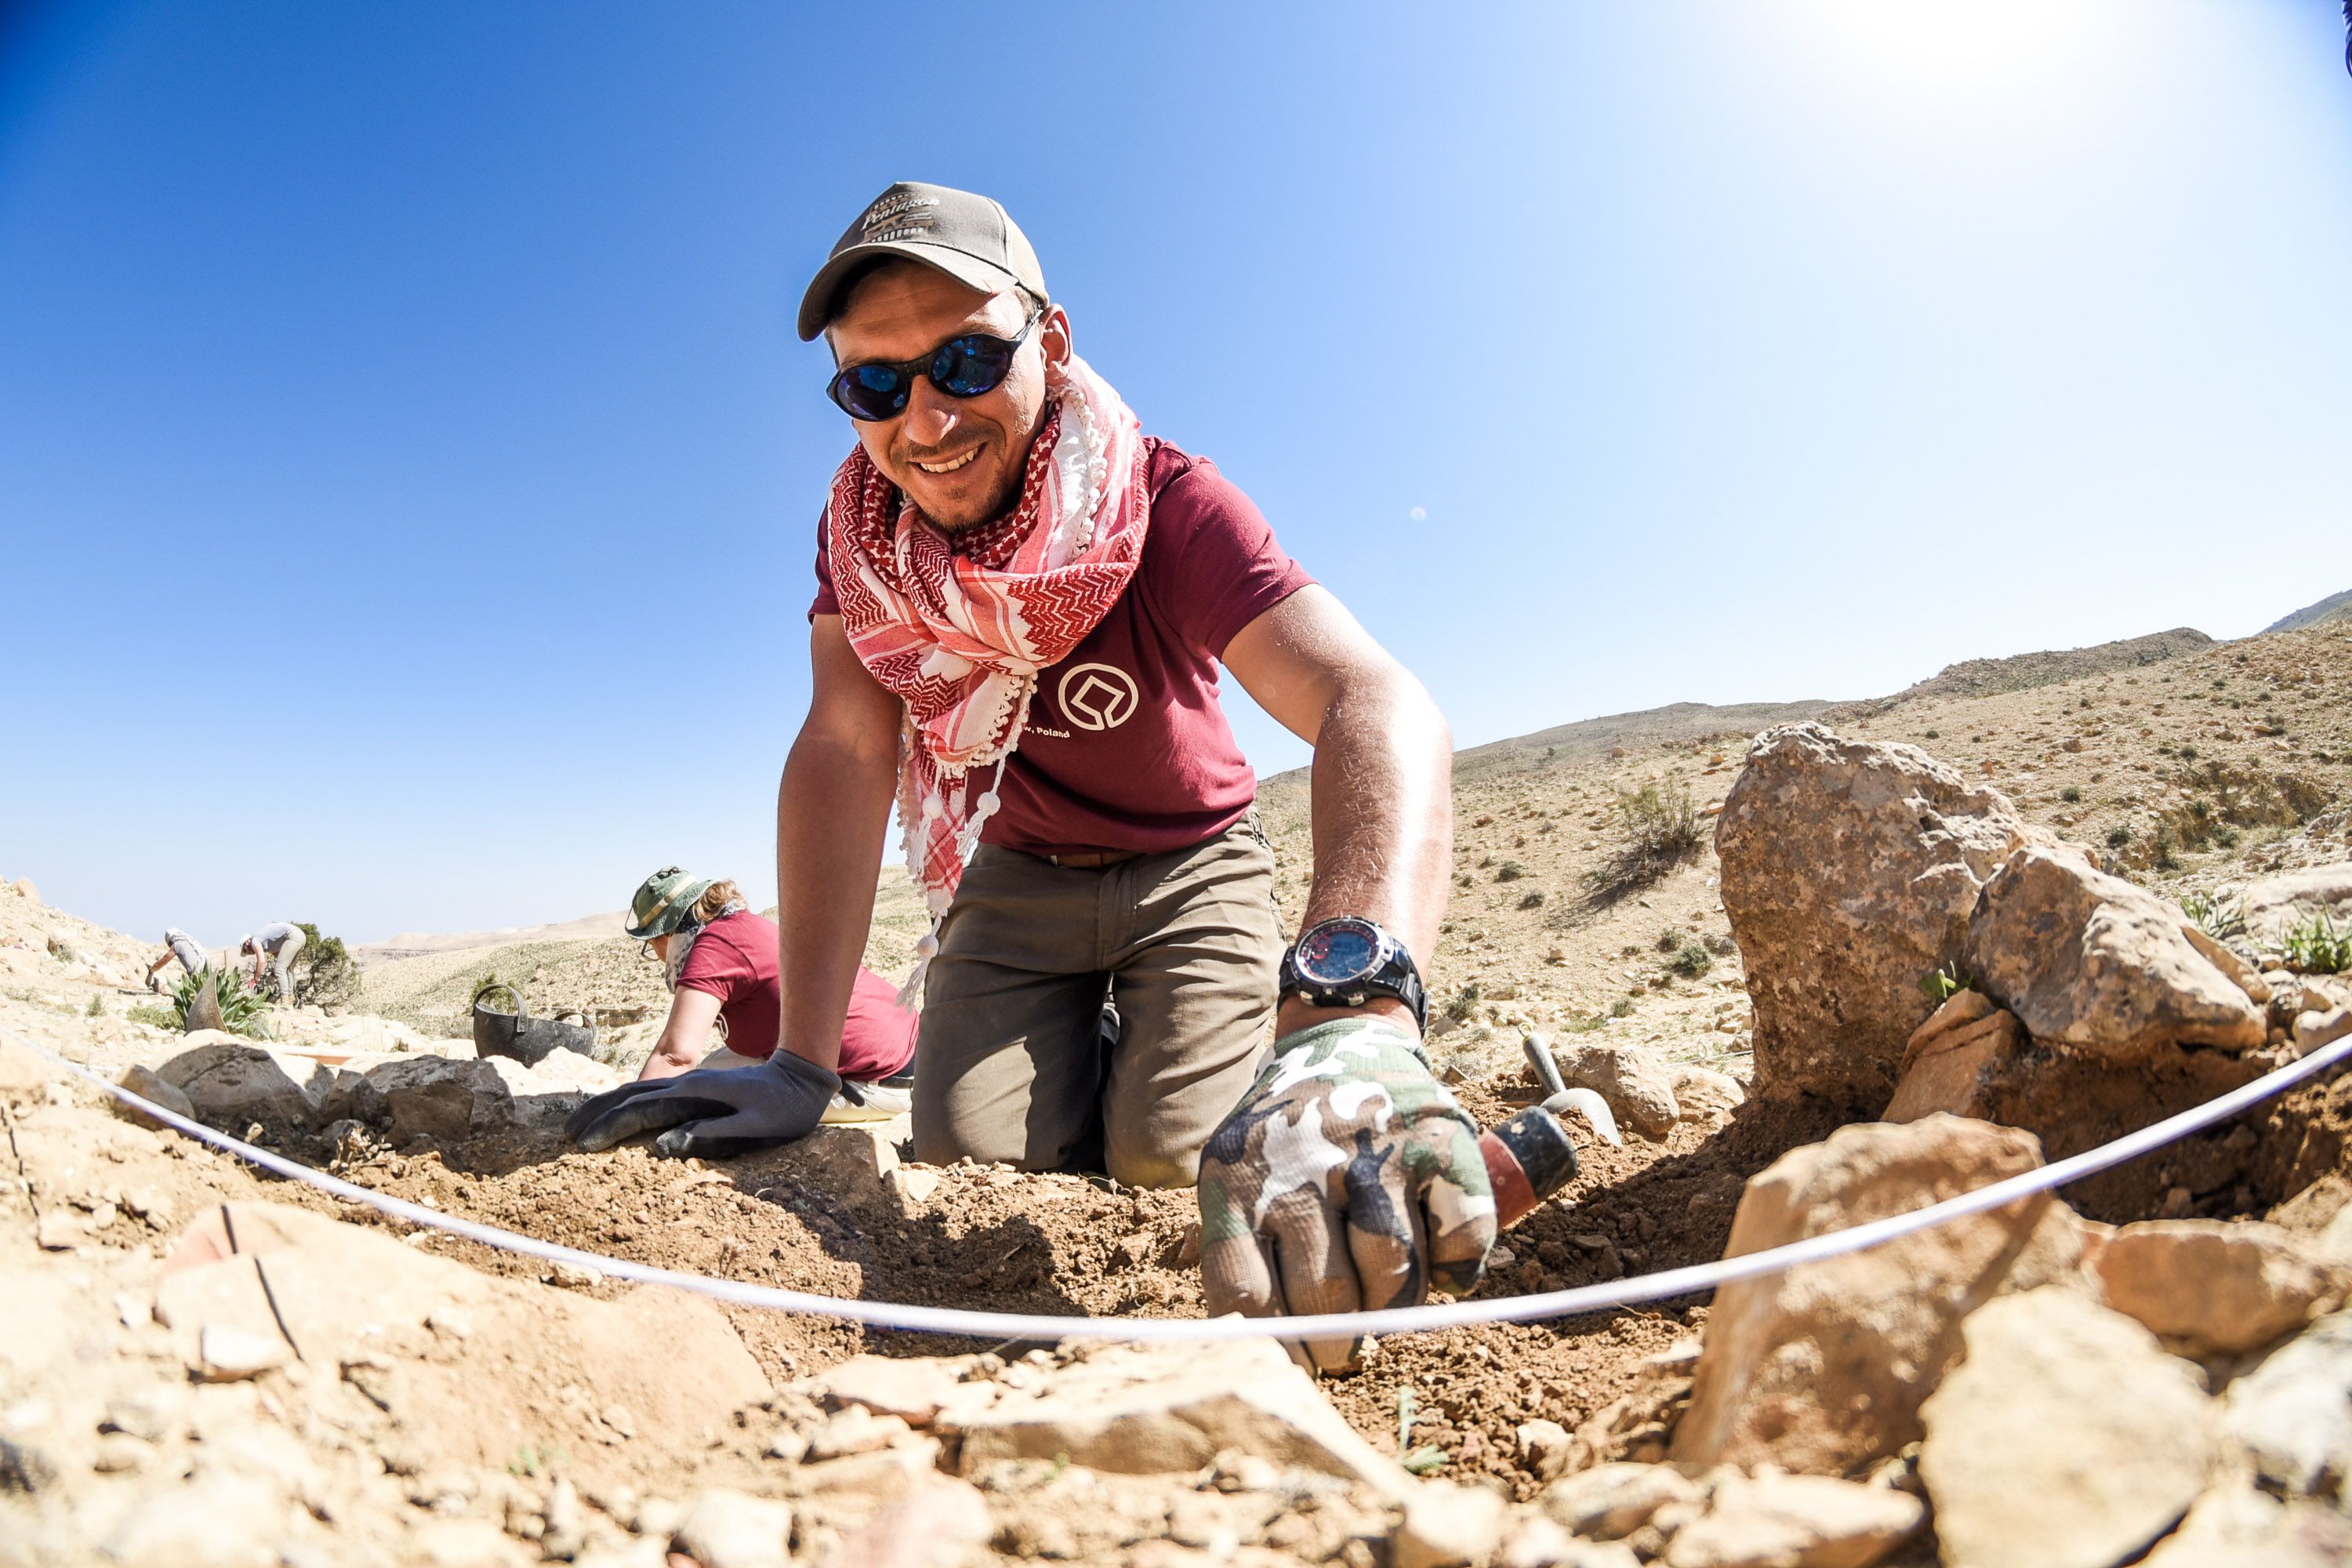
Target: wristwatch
<point>1346,962</point>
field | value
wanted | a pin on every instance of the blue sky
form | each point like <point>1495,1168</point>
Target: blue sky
<point>408,471</point>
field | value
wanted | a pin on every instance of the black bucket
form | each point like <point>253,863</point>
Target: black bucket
<point>519,1036</point>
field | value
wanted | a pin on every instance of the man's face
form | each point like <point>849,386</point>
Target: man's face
<point>959,458</point>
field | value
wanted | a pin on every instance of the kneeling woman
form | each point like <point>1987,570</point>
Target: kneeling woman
<point>719,960</point>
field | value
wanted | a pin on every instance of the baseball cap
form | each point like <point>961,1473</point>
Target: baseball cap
<point>971,239</point>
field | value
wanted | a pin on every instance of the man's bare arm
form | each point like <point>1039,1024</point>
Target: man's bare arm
<point>833,809</point>
<point>1383,780</point>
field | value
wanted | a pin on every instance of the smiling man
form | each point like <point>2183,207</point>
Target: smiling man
<point>1022,606</point>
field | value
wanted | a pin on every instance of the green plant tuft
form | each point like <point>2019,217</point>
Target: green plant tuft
<point>2314,945</point>
<point>2216,919</point>
<point>1945,983</point>
<point>240,1008</point>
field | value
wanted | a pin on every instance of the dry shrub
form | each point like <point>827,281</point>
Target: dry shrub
<point>1657,830</point>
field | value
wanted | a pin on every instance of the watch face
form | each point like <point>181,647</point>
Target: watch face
<point>1339,951</point>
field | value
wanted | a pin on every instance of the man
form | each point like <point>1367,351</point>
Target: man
<point>281,943</point>
<point>178,944</point>
<point>1038,598</point>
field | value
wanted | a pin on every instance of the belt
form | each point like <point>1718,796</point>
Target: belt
<point>1094,859</point>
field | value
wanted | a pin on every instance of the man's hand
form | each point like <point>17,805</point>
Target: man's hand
<point>716,1114</point>
<point>1346,1180</point>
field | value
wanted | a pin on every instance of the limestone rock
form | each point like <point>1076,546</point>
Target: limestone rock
<point>2274,903</point>
<point>2209,1288</point>
<point>2089,961</point>
<point>941,1522</point>
<point>2067,1439</point>
<point>724,1529</point>
<point>2293,1413</point>
<point>1820,1369</point>
<point>231,1083</point>
<point>144,1082</point>
<point>431,1097</point>
<point>218,1521</point>
<point>1446,1526</point>
<point>913,1388</point>
<point>1703,1093</point>
<point>354,1300</point>
<point>1849,870</point>
<point>1635,1080</point>
<point>855,1431</point>
<point>1947,1060</point>
<point>2221,955</point>
<point>849,1162</point>
<point>1545,1445</point>
<point>2238,1527</point>
<point>2310,1210</point>
<point>2313,1030</point>
<point>1796,1521</point>
<point>1611,1500</point>
<point>226,1353</point>
<point>1538,1543</point>
<point>1148,1409</point>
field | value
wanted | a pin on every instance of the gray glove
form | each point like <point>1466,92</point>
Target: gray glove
<point>712,1112</point>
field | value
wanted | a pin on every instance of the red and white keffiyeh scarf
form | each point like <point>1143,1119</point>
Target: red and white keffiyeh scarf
<point>960,625</point>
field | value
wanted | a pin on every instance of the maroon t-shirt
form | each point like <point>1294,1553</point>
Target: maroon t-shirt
<point>1126,746</point>
<point>734,960</point>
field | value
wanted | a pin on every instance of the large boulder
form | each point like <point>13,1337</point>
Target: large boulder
<point>2066,1437</point>
<point>1849,870</point>
<point>233,1083</point>
<point>1822,1368</point>
<point>2090,961</point>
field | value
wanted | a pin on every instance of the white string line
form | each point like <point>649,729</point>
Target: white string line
<point>1578,1300</point>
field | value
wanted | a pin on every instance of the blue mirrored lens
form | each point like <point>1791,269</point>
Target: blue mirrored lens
<point>871,391</point>
<point>966,367</point>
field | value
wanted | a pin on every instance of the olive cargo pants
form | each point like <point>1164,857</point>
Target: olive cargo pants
<point>1012,1064</point>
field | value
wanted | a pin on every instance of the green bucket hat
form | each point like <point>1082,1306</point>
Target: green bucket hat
<point>663,900</point>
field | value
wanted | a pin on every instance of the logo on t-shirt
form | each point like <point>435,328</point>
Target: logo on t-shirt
<point>1097,696</point>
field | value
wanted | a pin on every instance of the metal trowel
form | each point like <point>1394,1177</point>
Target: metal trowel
<point>1532,1156</point>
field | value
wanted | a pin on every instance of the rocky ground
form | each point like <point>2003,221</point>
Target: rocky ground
<point>209,1366</point>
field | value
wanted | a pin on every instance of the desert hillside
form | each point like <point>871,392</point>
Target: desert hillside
<point>1813,971</point>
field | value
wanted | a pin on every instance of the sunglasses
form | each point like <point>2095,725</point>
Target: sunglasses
<point>967,367</point>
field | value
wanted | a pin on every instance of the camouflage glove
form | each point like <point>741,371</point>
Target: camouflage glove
<point>714,1112</point>
<point>1347,1179</point>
